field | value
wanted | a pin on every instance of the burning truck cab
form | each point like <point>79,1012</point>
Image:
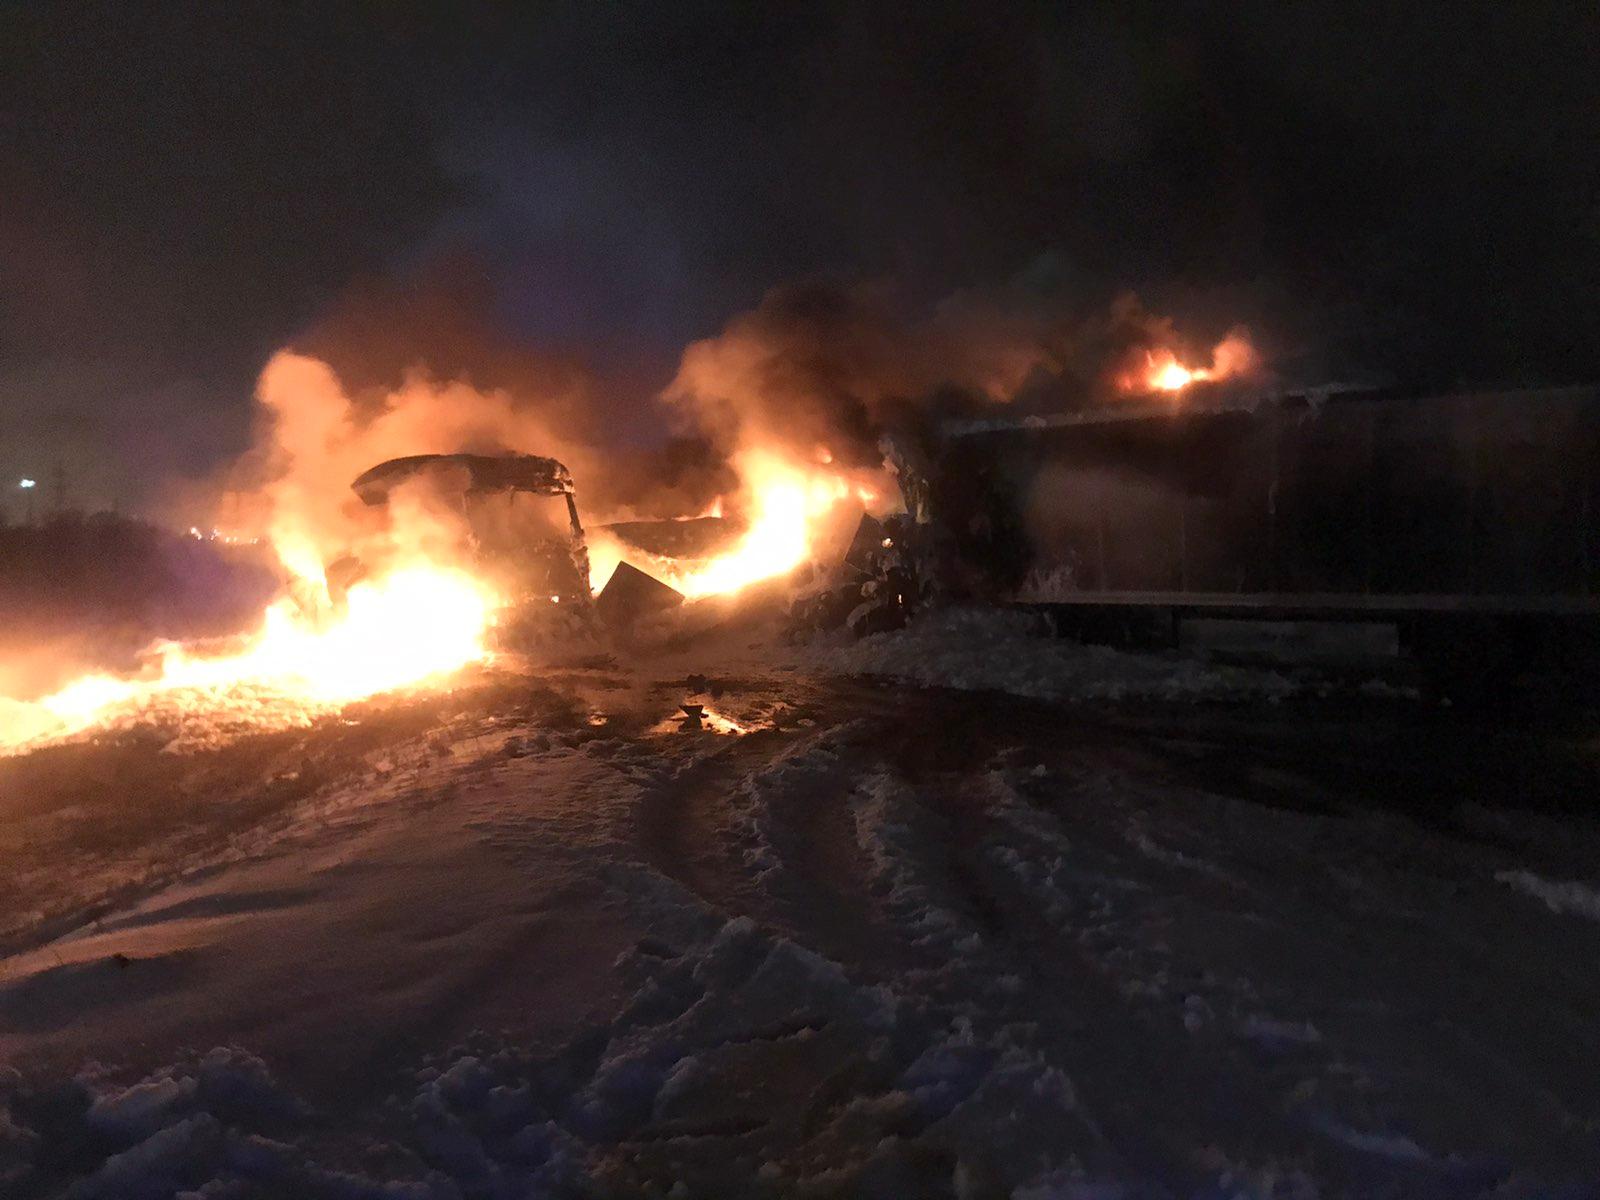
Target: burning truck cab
<point>518,516</point>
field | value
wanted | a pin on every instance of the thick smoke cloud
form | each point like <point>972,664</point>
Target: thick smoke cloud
<point>384,342</point>
<point>190,187</point>
<point>318,428</point>
<point>819,366</point>
<point>317,437</point>
<point>825,366</point>
<point>815,374</point>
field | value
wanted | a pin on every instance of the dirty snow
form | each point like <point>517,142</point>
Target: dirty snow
<point>995,650</point>
<point>881,944</point>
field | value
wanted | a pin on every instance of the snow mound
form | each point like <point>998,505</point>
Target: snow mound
<point>206,1124</point>
<point>1005,651</point>
<point>807,1082</point>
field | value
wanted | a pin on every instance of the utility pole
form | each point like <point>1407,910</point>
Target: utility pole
<point>60,482</point>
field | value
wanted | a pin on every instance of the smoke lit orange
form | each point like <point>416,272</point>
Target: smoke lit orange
<point>1161,371</point>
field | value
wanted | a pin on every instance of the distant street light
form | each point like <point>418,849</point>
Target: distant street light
<point>28,483</point>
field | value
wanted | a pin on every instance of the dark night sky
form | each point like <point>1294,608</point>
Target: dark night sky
<point>186,186</point>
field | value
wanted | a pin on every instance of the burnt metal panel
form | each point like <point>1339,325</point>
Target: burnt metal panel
<point>467,473</point>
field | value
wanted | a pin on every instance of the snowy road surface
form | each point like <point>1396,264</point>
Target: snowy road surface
<point>846,940</point>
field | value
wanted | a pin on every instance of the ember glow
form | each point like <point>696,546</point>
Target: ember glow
<point>416,624</point>
<point>1161,371</point>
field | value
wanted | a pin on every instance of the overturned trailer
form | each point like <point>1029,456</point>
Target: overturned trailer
<point>1464,523</point>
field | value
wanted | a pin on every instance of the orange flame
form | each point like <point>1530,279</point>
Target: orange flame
<point>1162,372</point>
<point>422,612</point>
<point>787,501</point>
<point>415,624</point>
<point>425,610</point>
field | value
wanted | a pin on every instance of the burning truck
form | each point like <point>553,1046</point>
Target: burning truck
<point>534,548</point>
<point>519,527</point>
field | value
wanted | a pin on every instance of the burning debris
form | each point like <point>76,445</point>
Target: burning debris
<point>472,475</point>
<point>788,509</point>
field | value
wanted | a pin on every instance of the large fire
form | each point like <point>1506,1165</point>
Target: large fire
<point>417,623</point>
<point>425,611</point>
<point>426,616</point>
<point>419,613</point>
<point>787,504</point>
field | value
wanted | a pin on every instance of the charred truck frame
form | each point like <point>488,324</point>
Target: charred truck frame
<point>549,566</point>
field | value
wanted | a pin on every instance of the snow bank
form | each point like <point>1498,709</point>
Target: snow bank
<point>804,1080</point>
<point>182,1128</point>
<point>1006,651</point>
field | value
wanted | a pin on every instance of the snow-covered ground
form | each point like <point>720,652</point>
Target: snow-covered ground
<point>844,939</point>
<point>1003,651</point>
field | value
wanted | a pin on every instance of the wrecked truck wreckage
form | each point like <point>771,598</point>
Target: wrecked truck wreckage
<point>960,539</point>
<point>534,548</point>
<point>878,586</point>
<point>539,554</point>
<point>891,569</point>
